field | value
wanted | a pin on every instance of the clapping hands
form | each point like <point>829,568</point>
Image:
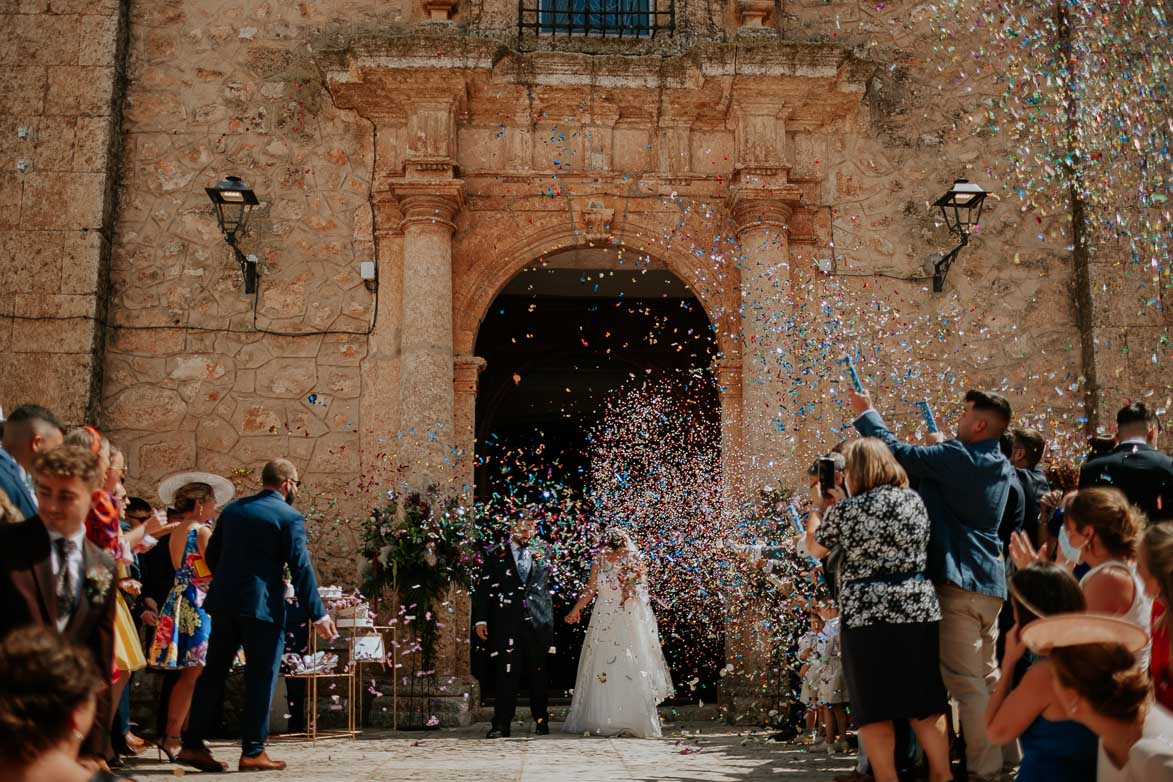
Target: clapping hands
<point>1022,551</point>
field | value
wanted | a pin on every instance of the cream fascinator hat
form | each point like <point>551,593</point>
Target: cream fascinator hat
<point>1061,630</point>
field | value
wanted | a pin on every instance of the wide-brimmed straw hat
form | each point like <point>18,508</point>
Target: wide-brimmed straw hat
<point>1078,629</point>
<point>222,488</point>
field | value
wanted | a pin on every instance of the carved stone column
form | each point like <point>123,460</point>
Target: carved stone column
<point>426,390</point>
<point>760,216</point>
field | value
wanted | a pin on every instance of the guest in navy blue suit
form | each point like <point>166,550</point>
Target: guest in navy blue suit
<point>28,431</point>
<point>255,538</point>
<point>1135,466</point>
<point>965,484</point>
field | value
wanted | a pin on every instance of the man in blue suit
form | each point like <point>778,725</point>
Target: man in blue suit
<point>255,538</point>
<point>28,431</point>
<point>965,484</point>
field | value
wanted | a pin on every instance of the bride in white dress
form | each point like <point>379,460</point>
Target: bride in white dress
<point>622,675</point>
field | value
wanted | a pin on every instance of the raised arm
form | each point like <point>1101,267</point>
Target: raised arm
<point>1012,708</point>
<point>920,461</point>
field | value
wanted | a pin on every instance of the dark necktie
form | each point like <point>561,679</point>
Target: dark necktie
<point>66,580</point>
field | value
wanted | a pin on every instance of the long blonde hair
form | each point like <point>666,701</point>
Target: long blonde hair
<point>869,464</point>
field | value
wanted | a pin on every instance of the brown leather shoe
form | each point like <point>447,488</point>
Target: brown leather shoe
<point>201,759</point>
<point>261,762</point>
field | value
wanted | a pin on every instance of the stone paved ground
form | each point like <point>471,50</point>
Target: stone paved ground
<point>724,755</point>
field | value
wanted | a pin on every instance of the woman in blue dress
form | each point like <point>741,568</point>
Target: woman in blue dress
<point>1054,748</point>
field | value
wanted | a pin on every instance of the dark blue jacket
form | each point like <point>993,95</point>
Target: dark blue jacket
<point>1143,473</point>
<point>965,489</point>
<point>254,539</point>
<point>14,486</point>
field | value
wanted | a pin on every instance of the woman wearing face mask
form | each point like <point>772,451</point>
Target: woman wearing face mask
<point>1103,530</point>
<point>183,626</point>
<point>891,617</point>
<point>1096,681</point>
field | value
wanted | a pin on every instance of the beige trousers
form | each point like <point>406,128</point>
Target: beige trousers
<point>969,667</point>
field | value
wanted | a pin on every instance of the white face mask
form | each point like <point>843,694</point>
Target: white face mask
<point>1070,551</point>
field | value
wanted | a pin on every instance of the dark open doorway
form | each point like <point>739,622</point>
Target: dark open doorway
<point>561,339</point>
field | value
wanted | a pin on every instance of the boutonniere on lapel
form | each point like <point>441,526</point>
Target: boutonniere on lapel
<point>537,553</point>
<point>98,581</point>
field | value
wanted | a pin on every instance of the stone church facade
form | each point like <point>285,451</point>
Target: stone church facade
<point>798,141</point>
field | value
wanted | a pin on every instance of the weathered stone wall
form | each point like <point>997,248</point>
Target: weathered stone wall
<point>198,374</point>
<point>195,375</point>
<point>59,84</point>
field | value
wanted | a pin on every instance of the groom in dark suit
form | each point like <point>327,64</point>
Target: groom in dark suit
<point>513,612</point>
<point>1135,467</point>
<point>51,575</point>
<point>255,538</point>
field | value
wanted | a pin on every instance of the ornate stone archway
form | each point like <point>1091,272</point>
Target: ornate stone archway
<point>477,284</point>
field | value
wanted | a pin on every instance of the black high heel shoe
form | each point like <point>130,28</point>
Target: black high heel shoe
<point>162,747</point>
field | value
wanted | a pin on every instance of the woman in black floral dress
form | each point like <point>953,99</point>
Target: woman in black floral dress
<point>890,611</point>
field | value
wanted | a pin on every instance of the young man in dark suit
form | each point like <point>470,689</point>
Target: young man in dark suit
<point>51,575</point>
<point>1135,466</point>
<point>255,538</point>
<point>1026,455</point>
<point>514,613</point>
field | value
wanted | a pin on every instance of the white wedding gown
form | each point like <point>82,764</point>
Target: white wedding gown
<point>622,675</point>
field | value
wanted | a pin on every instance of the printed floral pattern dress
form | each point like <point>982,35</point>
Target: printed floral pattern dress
<point>181,637</point>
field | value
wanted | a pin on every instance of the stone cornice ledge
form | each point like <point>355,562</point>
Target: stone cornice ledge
<point>343,58</point>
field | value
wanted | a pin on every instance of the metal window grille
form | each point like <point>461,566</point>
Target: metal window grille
<point>596,18</point>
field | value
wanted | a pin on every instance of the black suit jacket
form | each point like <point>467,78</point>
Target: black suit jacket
<point>1143,473</point>
<point>506,604</point>
<point>28,597</point>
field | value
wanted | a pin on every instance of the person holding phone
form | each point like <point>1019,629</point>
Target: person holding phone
<point>890,613</point>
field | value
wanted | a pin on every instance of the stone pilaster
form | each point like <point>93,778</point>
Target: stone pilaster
<point>426,389</point>
<point>761,215</point>
<point>729,384</point>
<point>466,374</point>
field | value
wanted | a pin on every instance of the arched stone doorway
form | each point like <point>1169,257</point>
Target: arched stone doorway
<point>477,285</point>
<point>578,330</point>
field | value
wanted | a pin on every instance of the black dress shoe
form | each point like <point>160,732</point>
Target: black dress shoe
<point>498,733</point>
<point>542,728</point>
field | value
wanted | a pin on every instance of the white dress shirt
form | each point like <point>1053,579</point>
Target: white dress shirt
<point>74,564</point>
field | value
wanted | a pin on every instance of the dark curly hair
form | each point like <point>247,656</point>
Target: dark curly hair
<point>43,678</point>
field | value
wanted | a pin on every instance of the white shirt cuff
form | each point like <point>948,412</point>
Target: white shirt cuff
<point>478,624</point>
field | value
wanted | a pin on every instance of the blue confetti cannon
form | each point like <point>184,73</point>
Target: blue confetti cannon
<point>846,361</point>
<point>797,519</point>
<point>927,414</point>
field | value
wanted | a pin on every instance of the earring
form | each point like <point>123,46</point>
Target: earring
<point>77,734</point>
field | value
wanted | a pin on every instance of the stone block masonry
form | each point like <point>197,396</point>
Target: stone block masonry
<point>61,88</point>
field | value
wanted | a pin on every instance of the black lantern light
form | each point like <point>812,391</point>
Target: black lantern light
<point>962,209</point>
<point>234,201</point>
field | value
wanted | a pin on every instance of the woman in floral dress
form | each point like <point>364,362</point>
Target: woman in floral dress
<point>181,635</point>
